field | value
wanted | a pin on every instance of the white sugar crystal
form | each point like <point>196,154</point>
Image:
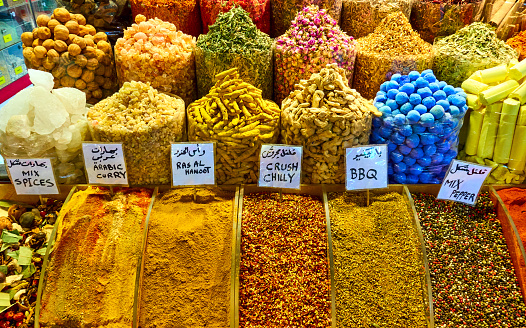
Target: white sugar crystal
<point>18,126</point>
<point>73,100</point>
<point>65,137</point>
<point>42,79</point>
<point>50,113</point>
<point>18,105</point>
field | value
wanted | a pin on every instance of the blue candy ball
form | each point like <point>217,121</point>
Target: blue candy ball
<point>393,85</point>
<point>399,178</point>
<point>416,169</point>
<point>391,103</point>
<point>385,110</point>
<point>401,98</point>
<point>442,84</point>
<point>409,160</point>
<point>413,116</point>
<point>421,109</point>
<point>437,158</point>
<point>416,153</point>
<point>437,111</point>
<point>390,168</point>
<point>399,119</point>
<point>438,95</point>
<point>399,167</point>
<point>405,79</point>
<point>418,129</point>
<point>437,129</point>
<point>379,105</point>
<point>424,92</point>
<point>429,102</point>
<point>458,101</point>
<point>385,132</point>
<point>425,177</point>
<point>389,122</point>
<point>377,122</point>
<point>397,138</point>
<point>430,77</point>
<point>404,150</point>
<point>407,88</point>
<point>446,119</point>
<point>406,130</point>
<point>413,75</point>
<point>427,138</point>
<point>415,99</point>
<point>396,77</point>
<point>434,87</point>
<point>396,157</point>
<point>427,71</point>
<point>444,103</point>
<point>377,139</point>
<point>429,150</point>
<point>381,97</point>
<point>424,161</point>
<point>449,90</point>
<point>383,86</point>
<point>427,119</point>
<point>391,146</point>
<point>406,108</point>
<point>395,112</point>
<point>412,141</point>
<point>391,94</point>
<point>444,147</point>
<point>421,83</point>
<point>411,179</point>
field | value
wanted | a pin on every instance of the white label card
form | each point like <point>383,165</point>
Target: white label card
<point>280,166</point>
<point>366,167</point>
<point>105,163</point>
<point>463,181</point>
<point>32,176</point>
<point>193,164</point>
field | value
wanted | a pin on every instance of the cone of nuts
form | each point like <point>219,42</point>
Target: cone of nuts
<point>73,52</point>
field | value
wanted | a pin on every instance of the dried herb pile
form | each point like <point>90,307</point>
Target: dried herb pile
<point>361,17</point>
<point>259,11</point>
<point>234,41</point>
<point>392,48</point>
<point>472,48</point>
<point>432,18</point>
<point>313,41</point>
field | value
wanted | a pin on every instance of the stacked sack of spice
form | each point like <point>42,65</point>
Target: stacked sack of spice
<point>235,115</point>
<point>421,119</point>
<point>184,15</point>
<point>234,41</point>
<point>157,52</point>
<point>285,11</point>
<point>259,11</point>
<point>434,18</point>
<point>392,48</point>
<point>361,17</point>
<point>497,125</point>
<point>313,41</point>
<point>325,116</point>
<point>73,52</point>
<point>472,48</point>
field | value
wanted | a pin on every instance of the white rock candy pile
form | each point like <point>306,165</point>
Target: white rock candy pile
<point>39,122</point>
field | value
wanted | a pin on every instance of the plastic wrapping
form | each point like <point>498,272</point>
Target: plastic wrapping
<point>157,52</point>
<point>146,122</point>
<point>239,120</point>
<point>432,19</point>
<point>303,50</point>
<point>37,123</point>
<point>185,15</point>
<point>284,12</point>
<point>223,48</point>
<point>472,48</point>
<point>420,125</point>
<point>360,17</point>
<point>325,116</point>
<point>259,11</point>
<point>74,53</point>
<point>105,15</point>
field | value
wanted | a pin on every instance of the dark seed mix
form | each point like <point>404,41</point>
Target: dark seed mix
<point>284,280</point>
<point>378,267</point>
<point>474,283</point>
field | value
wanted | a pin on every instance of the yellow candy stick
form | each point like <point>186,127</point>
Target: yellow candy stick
<point>474,127</point>
<point>488,132</point>
<point>508,118</point>
<point>518,150</point>
<point>518,71</point>
<point>473,86</point>
<point>494,74</point>
<point>498,92</point>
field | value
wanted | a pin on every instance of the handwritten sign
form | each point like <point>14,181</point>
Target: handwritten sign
<point>366,167</point>
<point>193,164</point>
<point>18,70</point>
<point>8,38</point>
<point>105,163</point>
<point>280,166</point>
<point>32,176</point>
<point>463,181</point>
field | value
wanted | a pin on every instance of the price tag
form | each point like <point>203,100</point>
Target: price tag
<point>32,176</point>
<point>193,164</point>
<point>280,166</point>
<point>18,70</point>
<point>463,181</point>
<point>8,38</point>
<point>366,167</point>
<point>105,163</point>
<point>1,3</point>
<point>2,80</point>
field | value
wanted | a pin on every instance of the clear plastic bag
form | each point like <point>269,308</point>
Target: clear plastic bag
<point>360,17</point>
<point>185,15</point>
<point>284,11</point>
<point>420,124</point>
<point>259,11</point>
<point>432,19</point>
